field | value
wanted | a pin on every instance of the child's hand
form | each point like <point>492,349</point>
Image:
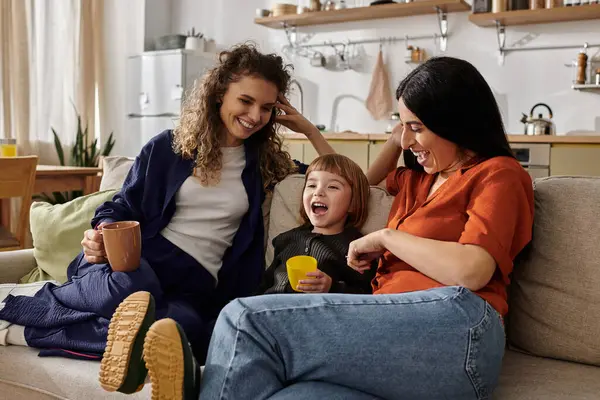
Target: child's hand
<point>321,283</point>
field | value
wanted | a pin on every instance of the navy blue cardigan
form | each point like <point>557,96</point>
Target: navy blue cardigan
<point>148,196</point>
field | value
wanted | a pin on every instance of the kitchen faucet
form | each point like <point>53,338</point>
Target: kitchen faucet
<point>334,109</point>
<point>293,81</point>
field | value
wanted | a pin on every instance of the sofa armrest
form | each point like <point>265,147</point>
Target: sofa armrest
<point>15,264</point>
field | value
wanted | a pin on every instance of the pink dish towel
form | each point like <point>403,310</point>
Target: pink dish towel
<point>379,102</point>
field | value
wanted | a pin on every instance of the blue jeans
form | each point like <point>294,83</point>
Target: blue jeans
<point>444,343</point>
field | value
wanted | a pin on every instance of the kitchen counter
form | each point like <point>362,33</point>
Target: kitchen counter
<point>554,155</point>
<point>552,139</point>
<point>352,136</point>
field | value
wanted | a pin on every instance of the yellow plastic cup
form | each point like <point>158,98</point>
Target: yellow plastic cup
<point>298,267</point>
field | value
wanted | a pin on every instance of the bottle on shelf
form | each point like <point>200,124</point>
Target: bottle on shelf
<point>315,5</point>
<point>581,65</point>
<point>536,4</point>
<point>499,5</point>
<point>519,5</point>
<point>408,54</point>
<point>417,55</point>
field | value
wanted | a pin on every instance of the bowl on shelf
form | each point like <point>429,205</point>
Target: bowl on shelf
<point>283,9</point>
<point>169,42</point>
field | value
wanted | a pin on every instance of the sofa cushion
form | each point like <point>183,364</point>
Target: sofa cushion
<point>24,375</point>
<point>525,377</point>
<point>57,231</point>
<point>555,294</point>
<point>286,202</point>
<point>114,171</point>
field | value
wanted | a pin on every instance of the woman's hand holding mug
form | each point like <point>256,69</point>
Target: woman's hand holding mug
<point>93,245</point>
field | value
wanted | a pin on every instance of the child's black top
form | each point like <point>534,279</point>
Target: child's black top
<point>330,252</point>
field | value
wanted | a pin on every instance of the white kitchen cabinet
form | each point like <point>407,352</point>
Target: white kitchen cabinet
<point>575,159</point>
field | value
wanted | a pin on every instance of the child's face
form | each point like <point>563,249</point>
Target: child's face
<point>326,201</point>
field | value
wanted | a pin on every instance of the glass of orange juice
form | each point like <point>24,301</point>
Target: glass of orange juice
<point>8,147</point>
<point>298,267</point>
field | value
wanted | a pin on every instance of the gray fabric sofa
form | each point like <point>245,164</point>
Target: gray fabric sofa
<point>553,328</point>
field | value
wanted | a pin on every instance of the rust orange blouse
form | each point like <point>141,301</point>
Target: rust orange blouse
<point>487,203</point>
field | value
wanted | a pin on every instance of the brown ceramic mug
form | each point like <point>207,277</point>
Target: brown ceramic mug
<point>123,245</point>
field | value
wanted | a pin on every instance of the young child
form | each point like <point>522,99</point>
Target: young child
<point>334,208</point>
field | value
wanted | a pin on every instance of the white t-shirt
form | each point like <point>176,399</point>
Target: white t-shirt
<point>207,218</point>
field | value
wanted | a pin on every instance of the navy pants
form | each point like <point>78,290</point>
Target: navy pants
<point>75,316</point>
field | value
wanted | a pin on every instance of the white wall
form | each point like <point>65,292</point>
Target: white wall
<point>123,36</point>
<point>130,28</point>
<point>525,79</point>
<point>158,15</point>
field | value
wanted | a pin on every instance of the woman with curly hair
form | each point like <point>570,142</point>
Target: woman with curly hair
<point>197,193</point>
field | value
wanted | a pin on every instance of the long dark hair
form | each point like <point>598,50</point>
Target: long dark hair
<point>454,101</point>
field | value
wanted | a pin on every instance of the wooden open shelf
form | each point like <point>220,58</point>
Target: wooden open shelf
<point>586,87</point>
<point>541,16</point>
<point>417,7</point>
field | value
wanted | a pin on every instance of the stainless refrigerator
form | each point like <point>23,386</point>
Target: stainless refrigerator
<point>156,85</point>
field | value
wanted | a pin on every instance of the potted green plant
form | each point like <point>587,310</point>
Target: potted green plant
<point>83,154</point>
<point>194,40</point>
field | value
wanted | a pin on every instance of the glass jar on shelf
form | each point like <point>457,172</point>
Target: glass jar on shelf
<point>315,5</point>
<point>536,4</point>
<point>392,122</point>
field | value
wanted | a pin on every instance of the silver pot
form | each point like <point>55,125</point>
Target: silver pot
<point>539,125</point>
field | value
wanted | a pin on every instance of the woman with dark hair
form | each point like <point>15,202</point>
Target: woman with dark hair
<point>463,210</point>
<point>197,192</point>
<point>452,99</point>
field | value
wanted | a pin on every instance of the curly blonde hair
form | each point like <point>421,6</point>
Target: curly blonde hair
<point>200,128</point>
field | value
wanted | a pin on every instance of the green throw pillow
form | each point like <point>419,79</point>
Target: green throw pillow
<point>57,231</point>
